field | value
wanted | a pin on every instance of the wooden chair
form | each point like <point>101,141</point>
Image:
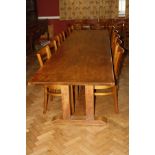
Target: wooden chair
<point>57,39</point>
<point>77,26</point>
<point>113,37</point>
<point>54,90</point>
<point>53,45</point>
<point>113,29</point>
<point>115,41</point>
<point>60,37</point>
<point>68,32</point>
<point>43,55</point>
<point>72,28</point>
<point>117,59</point>
<point>63,35</point>
<point>112,89</point>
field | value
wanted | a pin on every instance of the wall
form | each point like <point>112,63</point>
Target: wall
<point>48,7</point>
<point>51,8</point>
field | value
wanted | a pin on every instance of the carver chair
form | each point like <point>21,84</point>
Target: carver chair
<point>104,90</point>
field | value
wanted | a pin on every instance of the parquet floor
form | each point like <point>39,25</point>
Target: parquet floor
<point>45,138</point>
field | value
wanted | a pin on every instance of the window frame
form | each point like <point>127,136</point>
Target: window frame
<point>121,12</point>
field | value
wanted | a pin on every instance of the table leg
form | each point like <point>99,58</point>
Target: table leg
<point>90,118</point>
<point>76,92</point>
<point>89,95</point>
<point>65,102</point>
<point>72,99</point>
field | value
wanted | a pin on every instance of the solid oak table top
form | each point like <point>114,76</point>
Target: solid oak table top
<point>83,58</point>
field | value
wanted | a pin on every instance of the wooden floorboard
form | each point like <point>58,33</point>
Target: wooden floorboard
<point>44,137</point>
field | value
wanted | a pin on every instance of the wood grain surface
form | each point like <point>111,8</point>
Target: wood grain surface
<point>84,58</point>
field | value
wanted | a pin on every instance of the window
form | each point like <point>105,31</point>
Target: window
<point>122,8</point>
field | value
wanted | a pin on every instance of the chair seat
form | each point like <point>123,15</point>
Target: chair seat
<point>54,90</point>
<point>103,90</point>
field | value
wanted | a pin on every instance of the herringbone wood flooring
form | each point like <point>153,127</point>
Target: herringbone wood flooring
<point>46,138</point>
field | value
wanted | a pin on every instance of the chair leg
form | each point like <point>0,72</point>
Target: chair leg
<point>45,100</point>
<point>115,92</point>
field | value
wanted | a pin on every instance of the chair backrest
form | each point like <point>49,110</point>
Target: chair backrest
<point>53,44</point>
<point>118,57</point>
<point>57,39</point>
<point>72,28</point>
<point>63,35</point>
<point>113,35</point>
<point>116,40</point>
<point>77,26</point>
<point>43,55</point>
<point>60,37</point>
<point>66,33</point>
